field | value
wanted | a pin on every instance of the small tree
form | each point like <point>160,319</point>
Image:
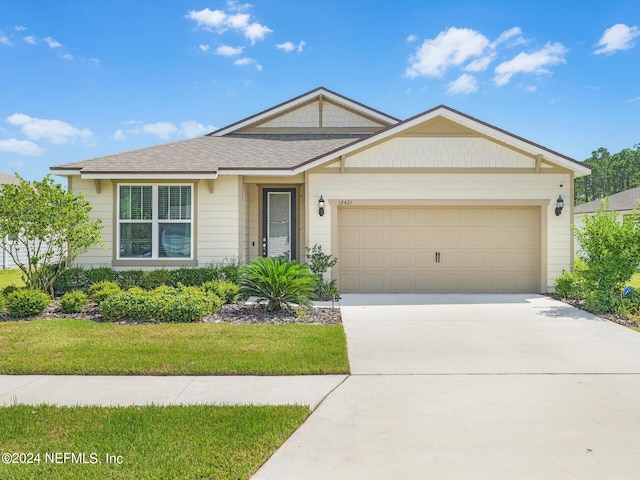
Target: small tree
<point>319,264</point>
<point>611,253</point>
<point>46,228</point>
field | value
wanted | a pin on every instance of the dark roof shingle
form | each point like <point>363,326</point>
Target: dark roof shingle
<point>626,200</point>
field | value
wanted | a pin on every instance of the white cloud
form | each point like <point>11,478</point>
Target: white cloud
<point>618,37</point>
<point>19,28</point>
<point>30,39</point>
<point>192,129</point>
<point>4,39</point>
<point>530,88</point>
<point>480,64</point>
<point>204,48</point>
<point>290,47</point>
<point>228,51</point>
<point>55,131</point>
<point>465,84</point>
<point>208,18</point>
<point>17,163</point>
<point>94,61</point>
<point>242,62</point>
<point>533,62</point>
<point>220,21</point>
<point>119,135</point>
<point>507,34</point>
<point>67,56</point>
<point>160,129</point>
<point>52,42</point>
<point>450,48</point>
<point>635,99</point>
<point>411,38</point>
<point>21,147</point>
<point>255,32</point>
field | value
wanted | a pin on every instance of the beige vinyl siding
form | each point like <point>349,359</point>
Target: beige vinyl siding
<point>245,224</point>
<point>102,204</point>
<point>335,116</point>
<point>439,152</point>
<point>450,189</point>
<point>305,116</point>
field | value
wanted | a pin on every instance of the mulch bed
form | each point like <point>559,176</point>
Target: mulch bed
<point>236,313</point>
<point>633,322</point>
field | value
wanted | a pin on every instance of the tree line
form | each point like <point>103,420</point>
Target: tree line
<point>610,173</point>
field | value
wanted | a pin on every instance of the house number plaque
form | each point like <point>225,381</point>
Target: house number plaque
<point>342,203</point>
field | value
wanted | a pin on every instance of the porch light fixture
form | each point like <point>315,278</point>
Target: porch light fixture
<point>321,206</point>
<point>559,205</point>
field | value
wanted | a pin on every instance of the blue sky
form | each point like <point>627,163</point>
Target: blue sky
<point>80,79</point>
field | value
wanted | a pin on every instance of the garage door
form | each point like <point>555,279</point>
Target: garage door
<point>439,249</point>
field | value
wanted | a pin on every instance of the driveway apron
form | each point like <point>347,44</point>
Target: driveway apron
<point>474,387</point>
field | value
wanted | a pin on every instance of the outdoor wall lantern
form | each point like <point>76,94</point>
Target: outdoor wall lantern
<point>559,205</point>
<point>321,206</point>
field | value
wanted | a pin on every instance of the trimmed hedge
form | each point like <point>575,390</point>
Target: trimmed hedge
<point>80,279</point>
<point>167,304</point>
<point>73,302</point>
<point>228,291</point>
<point>25,302</point>
<point>101,290</point>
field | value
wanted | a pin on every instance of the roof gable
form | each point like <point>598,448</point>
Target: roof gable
<point>6,178</point>
<point>320,110</point>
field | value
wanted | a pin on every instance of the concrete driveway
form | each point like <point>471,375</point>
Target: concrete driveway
<point>474,387</point>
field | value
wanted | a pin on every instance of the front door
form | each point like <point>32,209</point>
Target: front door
<point>278,222</point>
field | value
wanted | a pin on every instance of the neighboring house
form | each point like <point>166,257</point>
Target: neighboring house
<point>441,202</point>
<point>623,202</point>
<point>5,259</point>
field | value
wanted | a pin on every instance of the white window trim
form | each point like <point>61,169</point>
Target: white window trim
<point>155,222</point>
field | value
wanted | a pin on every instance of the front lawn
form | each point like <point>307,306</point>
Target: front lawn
<point>150,442</point>
<point>11,277</point>
<point>85,347</point>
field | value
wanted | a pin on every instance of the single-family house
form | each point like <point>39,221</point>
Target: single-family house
<point>439,202</point>
<point>5,259</point>
<point>623,202</point>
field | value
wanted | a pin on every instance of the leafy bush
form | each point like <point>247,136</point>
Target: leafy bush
<point>278,281</point>
<point>73,302</point>
<point>228,291</point>
<point>194,277</point>
<point>100,274</point>
<point>102,290</point>
<point>130,306</point>
<point>189,305</point>
<point>130,278</point>
<point>230,272</point>
<point>319,264</point>
<point>568,285</point>
<point>157,278</point>
<point>27,301</point>
<point>74,278</point>
<point>611,252</point>
<point>2,304</point>
<point>10,288</point>
<point>631,302</point>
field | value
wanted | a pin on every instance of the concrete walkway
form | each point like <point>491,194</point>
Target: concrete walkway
<point>474,387</point>
<point>140,390</point>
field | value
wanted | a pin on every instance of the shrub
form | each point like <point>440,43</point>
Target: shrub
<point>279,281</point>
<point>73,302</point>
<point>230,271</point>
<point>74,278</point>
<point>27,301</point>
<point>100,274</point>
<point>156,278</point>
<point>194,277</point>
<point>130,306</point>
<point>319,264</point>
<point>611,252</point>
<point>190,305</point>
<point>10,288</point>
<point>228,291</point>
<point>102,290</point>
<point>130,278</point>
<point>631,302</point>
<point>568,285</point>
<point>2,304</point>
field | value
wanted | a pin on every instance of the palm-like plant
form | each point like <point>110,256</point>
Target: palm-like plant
<point>279,281</point>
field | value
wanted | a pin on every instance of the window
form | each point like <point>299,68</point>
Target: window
<point>155,221</point>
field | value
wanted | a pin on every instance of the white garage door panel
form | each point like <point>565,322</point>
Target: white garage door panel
<point>482,249</point>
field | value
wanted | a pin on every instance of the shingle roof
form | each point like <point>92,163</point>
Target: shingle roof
<point>210,154</point>
<point>6,178</point>
<point>626,200</point>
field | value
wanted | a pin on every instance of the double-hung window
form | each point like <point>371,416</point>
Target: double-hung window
<point>155,221</point>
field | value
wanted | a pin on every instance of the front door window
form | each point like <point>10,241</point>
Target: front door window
<point>279,232</point>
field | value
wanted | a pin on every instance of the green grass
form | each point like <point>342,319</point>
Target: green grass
<point>11,277</point>
<point>635,281</point>
<point>85,347</point>
<point>203,442</point>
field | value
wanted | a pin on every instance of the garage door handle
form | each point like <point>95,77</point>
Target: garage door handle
<point>437,257</point>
